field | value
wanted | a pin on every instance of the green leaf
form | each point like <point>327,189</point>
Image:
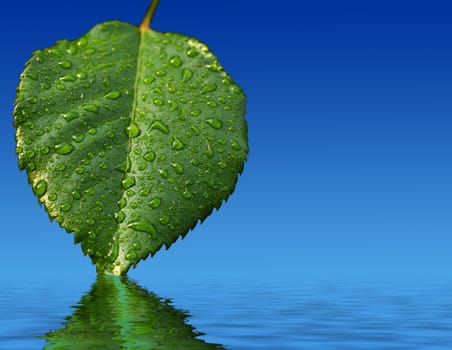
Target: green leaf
<point>118,314</point>
<point>129,137</point>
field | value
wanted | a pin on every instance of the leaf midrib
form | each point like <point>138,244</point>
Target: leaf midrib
<point>117,269</point>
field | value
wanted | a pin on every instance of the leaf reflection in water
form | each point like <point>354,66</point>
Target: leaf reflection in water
<point>119,314</point>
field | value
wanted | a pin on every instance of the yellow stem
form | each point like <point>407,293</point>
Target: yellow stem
<point>146,22</point>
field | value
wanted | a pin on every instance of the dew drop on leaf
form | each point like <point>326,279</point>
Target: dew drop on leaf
<point>176,61</point>
<point>76,195</point>
<point>91,108</point>
<point>158,102</point>
<point>186,74</point>
<point>113,95</point>
<point>155,202</point>
<point>128,182</point>
<point>164,219</point>
<point>149,156</point>
<point>64,148</point>
<point>160,126</point>
<point>40,188</point>
<point>208,88</point>
<point>131,255</point>
<point>177,168</point>
<point>144,226</point>
<point>177,144</point>
<point>66,207</point>
<point>133,130</point>
<point>65,64</point>
<point>215,123</point>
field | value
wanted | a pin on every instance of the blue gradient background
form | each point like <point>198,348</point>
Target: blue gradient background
<point>350,123</point>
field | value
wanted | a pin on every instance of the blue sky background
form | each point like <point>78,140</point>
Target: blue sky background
<point>350,127</point>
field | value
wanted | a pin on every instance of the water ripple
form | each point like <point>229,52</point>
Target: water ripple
<point>245,316</point>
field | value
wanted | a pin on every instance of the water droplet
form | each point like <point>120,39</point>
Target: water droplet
<point>82,42</point>
<point>163,173</point>
<point>90,222</point>
<point>128,182</point>
<point>208,88</point>
<point>113,253</point>
<point>32,99</point>
<point>214,123</point>
<point>175,61</point>
<point>160,126</point>
<point>186,75</point>
<point>69,116</point>
<point>158,102</point>
<point>90,191</point>
<point>110,134</point>
<point>144,191</point>
<point>164,219</point>
<point>131,255</point>
<point>155,202</point>
<point>144,226</point>
<point>81,75</point>
<point>32,76</point>
<point>91,108</point>
<point>30,153</point>
<point>40,188</point>
<point>68,78</point>
<point>177,168</point>
<point>120,217</point>
<point>133,130</point>
<point>66,207</point>
<point>79,138</point>
<point>173,105</point>
<point>222,164</point>
<point>105,65</point>
<point>195,112</point>
<point>44,150</point>
<point>235,145</point>
<point>149,156</point>
<point>122,203</point>
<point>192,52</point>
<point>60,167</point>
<point>64,148</point>
<point>52,197</point>
<point>113,95</point>
<point>209,151</point>
<point>76,195</point>
<point>65,64</point>
<point>124,166</point>
<point>148,80</point>
<point>80,170</point>
<point>177,144</point>
<point>186,194</point>
<point>160,73</point>
<point>212,104</point>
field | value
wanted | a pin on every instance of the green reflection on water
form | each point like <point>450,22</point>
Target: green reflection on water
<point>118,314</point>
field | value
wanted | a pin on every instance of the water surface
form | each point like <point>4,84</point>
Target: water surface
<point>239,315</point>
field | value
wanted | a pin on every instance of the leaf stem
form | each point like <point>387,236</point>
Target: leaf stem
<point>146,22</point>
